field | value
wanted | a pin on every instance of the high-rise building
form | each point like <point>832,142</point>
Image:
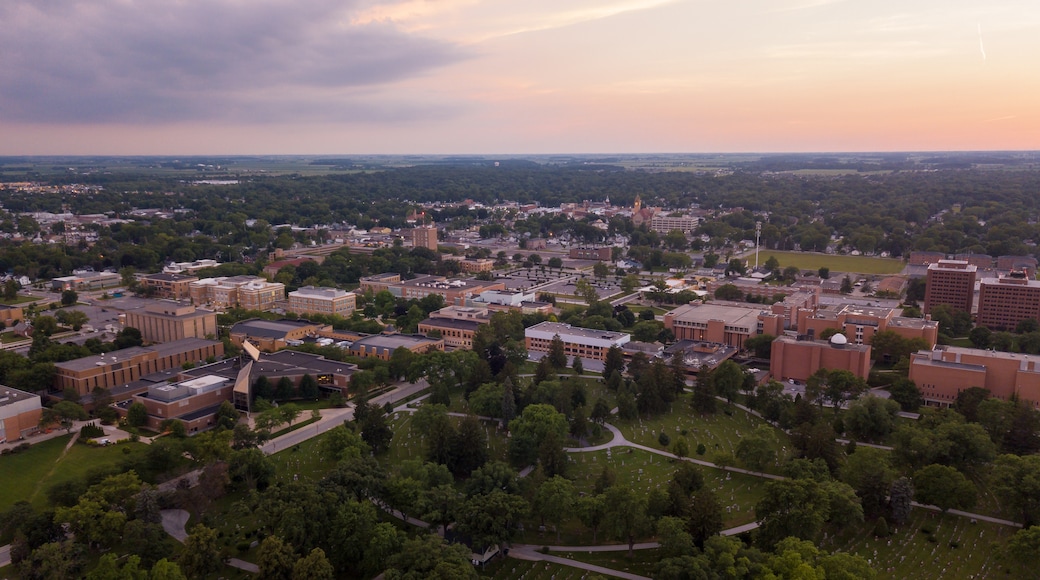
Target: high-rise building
<point>1008,300</point>
<point>425,237</point>
<point>950,282</point>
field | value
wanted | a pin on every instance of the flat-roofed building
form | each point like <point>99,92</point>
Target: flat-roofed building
<point>1008,300</point>
<point>379,282</point>
<point>697,354</point>
<point>663,223</point>
<point>189,267</point>
<point>120,367</point>
<point>20,414</point>
<point>194,402</point>
<point>1026,264</point>
<point>169,321</point>
<point>273,268</point>
<point>248,292</point>
<point>11,314</point>
<point>943,372</point>
<point>510,298</point>
<point>860,323</point>
<point>382,346</point>
<point>925,258</point>
<point>601,254</point>
<point>454,292</point>
<point>168,285</point>
<point>322,300</point>
<point>580,342</point>
<point>272,335</point>
<point>476,265</point>
<point>425,237</point>
<point>82,281</point>
<point>950,282</point>
<point>456,325</point>
<point>729,323</point>
<point>798,358</point>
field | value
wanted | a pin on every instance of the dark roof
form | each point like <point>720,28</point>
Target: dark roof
<point>269,328</point>
<point>452,323</point>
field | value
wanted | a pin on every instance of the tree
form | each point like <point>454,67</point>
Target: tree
<point>69,297</point>
<point>556,355</point>
<point>530,429</point>
<point>728,378</point>
<point>227,416</point>
<point>944,487</point>
<point>432,421</point>
<point>901,497</point>
<point>313,566</point>
<point>376,431</point>
<point>262,388</point>
<point>728,292</point>
<point>756,451</point>
<point>980,337</point>
<point>703,399</point>
<point>870,475</point>
<point>76,319</point>
<point>469,447</point>
<point>626,519</point>
<point>906,393</point>
<point>428,556</point>
<point>824,272</point>
<point>63,412</point>
<point>871,418</point>
<point>592,510</point>
<point>11,288</point>
<point>554,501</point>
<point>968,401</point>
<point>846,285</point>
<point>201,554</point>
<point>614,361</point>
<point>1017,480</point>
<point>166,570</point>
<point>704,516</point>
<point>800,507</point>
<point>491,518</point>
<point>761,345</point>
<point>275,558</point>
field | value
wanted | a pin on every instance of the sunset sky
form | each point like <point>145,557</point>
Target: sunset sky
<point>516,76</point>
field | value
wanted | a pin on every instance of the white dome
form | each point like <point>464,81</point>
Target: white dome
<point>839,340</point>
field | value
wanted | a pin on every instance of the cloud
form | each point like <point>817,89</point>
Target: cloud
<point>142,61</point>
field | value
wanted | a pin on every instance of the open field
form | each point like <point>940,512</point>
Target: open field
<point>813,261</point>
<point>29,474</point>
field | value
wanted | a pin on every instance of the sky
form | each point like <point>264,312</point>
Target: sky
<point>178,77</point>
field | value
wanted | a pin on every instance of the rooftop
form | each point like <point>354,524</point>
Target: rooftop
<point>319,292</point>
<point>269,328</point>
<point>10,395</point>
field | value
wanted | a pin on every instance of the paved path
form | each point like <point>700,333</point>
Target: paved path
<point>5,555</point>
<point>173,521</point>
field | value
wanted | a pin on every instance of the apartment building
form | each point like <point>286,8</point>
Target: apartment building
<point>248,292</point>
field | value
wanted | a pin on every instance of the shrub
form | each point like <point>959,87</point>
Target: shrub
<point>881,528</point>
<point>701,449</point>
<point>928,528</point>
<point>664,439</point>
<point>91,431</point>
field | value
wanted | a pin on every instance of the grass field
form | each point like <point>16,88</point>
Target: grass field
<point>29,474</point>
<point>960,548</point>
<point>857,264</point>
<point>719,433</point>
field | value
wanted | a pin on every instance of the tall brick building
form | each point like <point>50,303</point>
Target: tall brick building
<point>950,282</point>
<point>1008,300</point>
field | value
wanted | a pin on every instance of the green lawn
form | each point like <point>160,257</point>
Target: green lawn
<point>29,474</point>
<point>719,433</point>
<point>19,300</point>
<point>909,553</point>
<point>857,264</point>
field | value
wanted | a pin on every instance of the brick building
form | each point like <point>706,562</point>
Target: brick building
<point>425,237</point>
<point>950,282</point>
<point>580,342</point>
<point>456,324</point>
<point>118,368</point>
<point>248,292</point>
<point>945,371</point>
<point>168,285</point>
<point>20,414</point>
<point>382,346</point>
<point>600,254</point>
<point>272,335</point>
<point>1008,300</point>
<point>798,358</point>
<point>728,323</point>
<point>322,300</point>
<point>170,321</point>
<point>860,323</point>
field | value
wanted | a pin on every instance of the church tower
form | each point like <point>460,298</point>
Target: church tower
<point>637,205</point>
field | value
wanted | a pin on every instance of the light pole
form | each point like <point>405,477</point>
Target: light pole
<point>758,237</point>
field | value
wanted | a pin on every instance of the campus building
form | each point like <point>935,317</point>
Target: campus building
<point>860,323</point>
<point>20,414</point>
<point>944,371</point>
<point>950,282</point>
<point>456,325</point>
<point>1008,300</point>
<point>382,346</point>
<point>379,282</point>
<point>798,358</point>
<point>247,292</point>
<point>580,342</point>
<point>729,323</point>
<point>322,300</point>
<point>9,315</point>
<point>756,288</point>
<point>272,335</point>
<point>83,281</point>
<point>194,402</point>
<point>118,368</point>
<point>169,321</point>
